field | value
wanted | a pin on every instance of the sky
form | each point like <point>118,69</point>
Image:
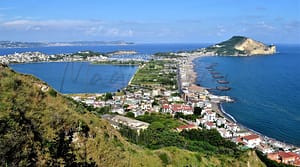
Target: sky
<point>150,21</point>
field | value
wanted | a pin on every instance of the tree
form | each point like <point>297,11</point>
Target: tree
<point>130,114</point>
<point>197,110</point>
<point>178,115</point>
<point>108,96</point>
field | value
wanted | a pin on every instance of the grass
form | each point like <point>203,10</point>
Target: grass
<point>156,73</point>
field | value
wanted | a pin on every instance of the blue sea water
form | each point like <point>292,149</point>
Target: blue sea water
<point>80,77</point>
<point>266,90</point>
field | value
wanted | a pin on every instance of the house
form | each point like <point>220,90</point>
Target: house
<point>156,92</point>
<point>224,133</point>
<point>285,157</point>
<point>265,148</point>
<point>118,110</point>
<point>206,110</point>
<point>185,109</point>
<point>251,140</point>
<point>186,127</point>
<point>182,108</point>
<point>166,108</point>
<point>221,121</point>
<point>117,121</point>
<point>200,121</point>
<point>211,116</point>
<point>210,125</point>
<point>232,127</point>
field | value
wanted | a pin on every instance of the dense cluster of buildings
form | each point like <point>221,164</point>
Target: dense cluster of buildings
<point>30,57</point>
<point>25,57</point>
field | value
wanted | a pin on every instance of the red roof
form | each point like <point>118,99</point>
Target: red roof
<point>209,123</point>
<point>287,154</point>
<point>251,137</point>
<point>178,107</point>
<point>166,106</point>
<point>297,163</point>
<point>209,112</point>
<point>186,126</point>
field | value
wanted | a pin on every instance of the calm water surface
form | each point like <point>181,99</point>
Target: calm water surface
<point>266,90</point>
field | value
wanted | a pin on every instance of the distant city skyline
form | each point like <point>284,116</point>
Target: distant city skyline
<point>167,21</point>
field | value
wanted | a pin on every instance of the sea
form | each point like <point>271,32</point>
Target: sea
<point>266,89</point>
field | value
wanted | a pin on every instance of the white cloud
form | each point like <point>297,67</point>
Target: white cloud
<point>6,8</point>
<point>264,25</point>
<point>88,28</point>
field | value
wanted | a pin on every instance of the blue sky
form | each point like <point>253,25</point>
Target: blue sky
<point>155,21</point>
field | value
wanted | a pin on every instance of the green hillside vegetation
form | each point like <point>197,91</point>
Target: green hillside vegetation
<point>40,127</point>
<point>227,47</point>
<point>156,73</point>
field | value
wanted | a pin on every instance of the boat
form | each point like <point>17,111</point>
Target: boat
<point>217,76</point>
<point>209,67</point>
<point>214,72</point>
<point>223,88</point>
<point>221,81</point>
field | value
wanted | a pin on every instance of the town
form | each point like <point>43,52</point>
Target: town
<point>147,93</point>
<point>87,56</point>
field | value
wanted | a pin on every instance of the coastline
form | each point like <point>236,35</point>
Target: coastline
<point>219,109</point>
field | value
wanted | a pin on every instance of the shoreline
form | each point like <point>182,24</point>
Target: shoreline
<point>219,109</point>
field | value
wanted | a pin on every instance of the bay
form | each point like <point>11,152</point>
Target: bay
<point>80,77</point>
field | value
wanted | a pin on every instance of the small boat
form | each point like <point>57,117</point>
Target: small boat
<point>217,76</point>
<point>220,81</point>
<point>214,72</point>
<point>223,88</point>
<point>209,67</point>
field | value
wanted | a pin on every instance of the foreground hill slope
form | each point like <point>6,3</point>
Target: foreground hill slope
<point>241,46</point>
<point>40,127</point>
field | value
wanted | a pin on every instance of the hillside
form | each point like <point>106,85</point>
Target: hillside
<point>241,46</point>
<point>40,127</point>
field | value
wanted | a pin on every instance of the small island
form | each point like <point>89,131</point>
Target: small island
<point>235,46</point>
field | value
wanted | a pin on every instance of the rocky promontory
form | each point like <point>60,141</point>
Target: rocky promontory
<point>240,46</point>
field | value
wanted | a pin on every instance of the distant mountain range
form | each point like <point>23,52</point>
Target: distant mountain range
<point>14,44</point>
<point>240,46</point>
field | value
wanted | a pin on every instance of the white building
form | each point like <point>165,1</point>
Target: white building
<point>251,140</point>
<point>224,133</point>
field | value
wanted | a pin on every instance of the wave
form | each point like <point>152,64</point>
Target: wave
<point>228,115</point>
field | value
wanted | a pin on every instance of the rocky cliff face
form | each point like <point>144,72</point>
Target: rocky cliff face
<point>241,46</point>
<point>252,47</point>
